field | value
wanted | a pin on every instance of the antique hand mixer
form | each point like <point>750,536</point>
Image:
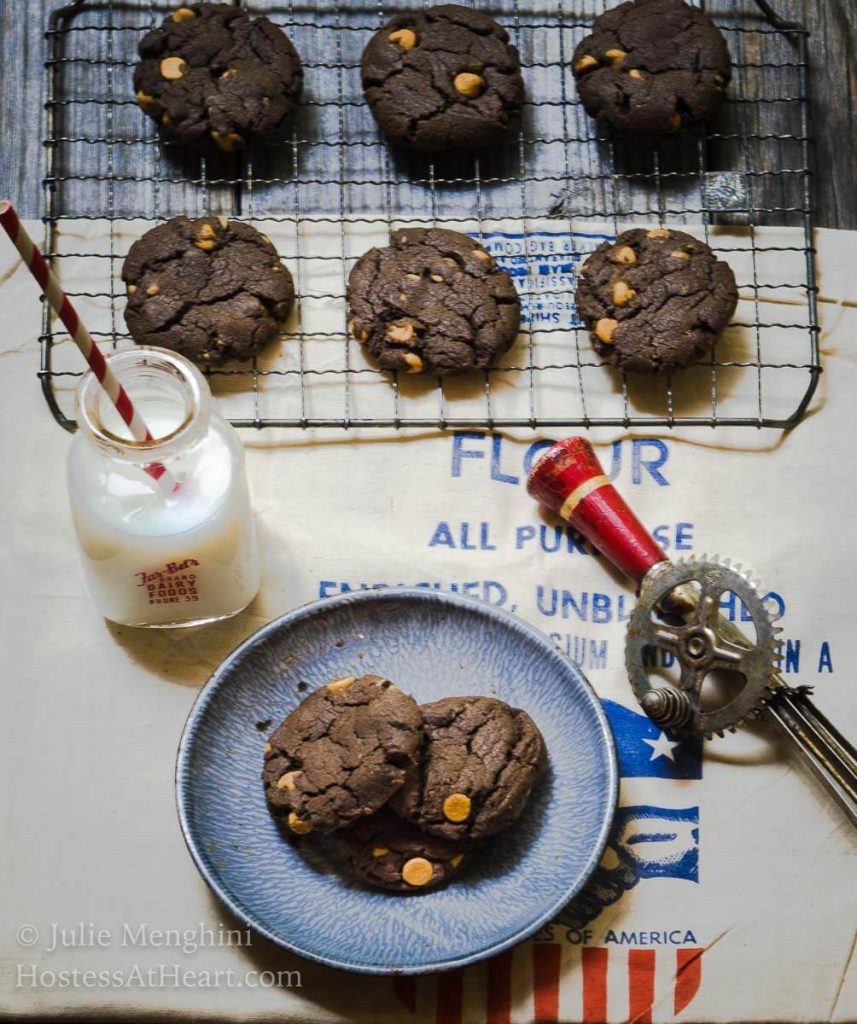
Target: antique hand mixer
<point>678,610</point>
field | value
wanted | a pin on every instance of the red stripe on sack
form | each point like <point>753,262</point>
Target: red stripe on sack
<point>594,960</point>
<point>688,975</point>
<point>450,994</point>
<point>498,989</point>
<point>546,961</point>
<point>641,985</point>
<point>406,991</point>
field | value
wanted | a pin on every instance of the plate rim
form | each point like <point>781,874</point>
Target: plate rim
<point>311,608</point>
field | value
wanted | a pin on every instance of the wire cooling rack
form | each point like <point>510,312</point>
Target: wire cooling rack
<point>540,203</point>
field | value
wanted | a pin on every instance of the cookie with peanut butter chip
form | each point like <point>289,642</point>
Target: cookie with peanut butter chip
<point>442,78</point>
<point>432,301</point>
<point>211,75</point>
<point>479,762</point>
<point>655,300</point>
<point>652,67</point>
<point>210,288</point>
<point>341,754</point>
<point>388,852</point>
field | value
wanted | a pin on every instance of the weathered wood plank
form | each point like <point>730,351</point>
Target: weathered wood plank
<point>833,46</point>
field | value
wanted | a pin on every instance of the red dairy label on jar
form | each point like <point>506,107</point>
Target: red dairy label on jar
<point>175,583</point>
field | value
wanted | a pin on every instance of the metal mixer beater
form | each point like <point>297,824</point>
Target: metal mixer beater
<point>678,610</point>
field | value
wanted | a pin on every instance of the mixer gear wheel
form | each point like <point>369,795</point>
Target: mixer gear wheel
<point>672,615</point>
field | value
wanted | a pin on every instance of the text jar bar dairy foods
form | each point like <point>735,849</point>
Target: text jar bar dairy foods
<point>157,555</point>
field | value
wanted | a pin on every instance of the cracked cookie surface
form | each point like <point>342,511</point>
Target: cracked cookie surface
<point>210,288</point>
<point>655,300</point>
<point>651,67</point>
<point>434,301</point>
<point>340,754</point>
<point>387,852</point>
<point>443,78</point>
<point>211,74</point>
<point>478,764</point>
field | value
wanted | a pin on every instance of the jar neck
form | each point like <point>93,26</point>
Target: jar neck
<point>170,394</point>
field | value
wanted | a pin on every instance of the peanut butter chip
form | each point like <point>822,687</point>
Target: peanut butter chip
<point>417,871</point>
<point>153,289</point>
<point>401,333</point>
<point>624,254</point>
<point>224,222</point>
<point>226,142</point>
<point>456,860</point>
<point>206,244</point>
<point>146,101</point>
<point>413,362</point>
<point>605,328</point>
<point>229,73</point>
<point>299,826</point>
<point>615,56</point>
<point>341,684</point>
<point>480,254</point>
<point>183,14</point>
<point>469,85</point>
<point>357,332</point>
<point>404,37</point>
<point>622,294</point>
<point>456,807</point>
<point>207,231</point>
<point>132,288</point>
<point>635,73</point>
<point>585,64</point>
<point>288,781</point>
<point>680,254</point>
<point>413,277</point>
<point>658,233</point>
<point>380,851</point>
<point>437,278</point>
<point>173,68</point>
<point>267,749</point>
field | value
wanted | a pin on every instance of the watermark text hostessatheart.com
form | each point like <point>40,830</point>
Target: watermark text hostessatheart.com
<point>51,939</point>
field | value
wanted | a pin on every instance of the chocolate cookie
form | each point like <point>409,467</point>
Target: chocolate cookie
<point>434,301</point>
<point>442,78</point>
<point>388,852</point>
<point>655,300</point>
<point>480,759</point>
<point>651,67</point>
<point>212,289</point>
<point>210,74</point>
<point>341,753</point>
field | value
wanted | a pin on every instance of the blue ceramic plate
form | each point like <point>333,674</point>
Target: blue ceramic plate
<point>432,645</point>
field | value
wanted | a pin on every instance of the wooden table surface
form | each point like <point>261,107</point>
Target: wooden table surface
<point>833,46</point>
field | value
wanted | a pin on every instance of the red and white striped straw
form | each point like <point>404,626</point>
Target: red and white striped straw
<point>51,287</point>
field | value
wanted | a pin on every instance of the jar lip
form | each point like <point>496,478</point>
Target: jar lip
<point>133,359</point>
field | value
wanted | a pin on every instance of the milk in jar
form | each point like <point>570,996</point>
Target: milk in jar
<point>156,554</point>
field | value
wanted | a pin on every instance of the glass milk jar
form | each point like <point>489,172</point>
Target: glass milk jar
<point>178,551</point>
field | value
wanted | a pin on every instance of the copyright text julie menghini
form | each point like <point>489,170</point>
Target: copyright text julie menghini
<point>132,935</point>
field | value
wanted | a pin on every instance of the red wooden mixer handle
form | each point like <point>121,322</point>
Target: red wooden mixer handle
<point>569,479</point>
